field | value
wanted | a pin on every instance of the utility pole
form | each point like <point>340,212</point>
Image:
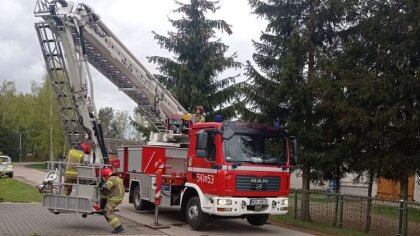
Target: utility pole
<point>20,146</point>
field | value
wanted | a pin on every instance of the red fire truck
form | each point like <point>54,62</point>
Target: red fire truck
<point>231,169</point>
<point>214,169</point>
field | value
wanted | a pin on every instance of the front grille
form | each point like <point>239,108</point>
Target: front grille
<point>255,183</point>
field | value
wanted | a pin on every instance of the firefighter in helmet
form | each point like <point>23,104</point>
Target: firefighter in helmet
<point>74,157</point>
<point>114,191</point>
<point>199,115</point>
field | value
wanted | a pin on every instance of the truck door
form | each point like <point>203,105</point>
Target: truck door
<point>204,169</point>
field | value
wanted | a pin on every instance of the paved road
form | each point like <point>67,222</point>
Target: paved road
<point>168,216</point>
<point>33,219</point>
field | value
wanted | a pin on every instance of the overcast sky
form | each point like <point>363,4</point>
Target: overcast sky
<point>132,22</point>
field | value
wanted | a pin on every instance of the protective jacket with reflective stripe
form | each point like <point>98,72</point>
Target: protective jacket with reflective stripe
<point>200,119</point>
<point>74,158</point>
<point>116,189</point>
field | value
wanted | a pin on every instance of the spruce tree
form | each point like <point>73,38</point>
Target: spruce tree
<point>287,56</point>
<point>199,57</point>
<point>378,76</point>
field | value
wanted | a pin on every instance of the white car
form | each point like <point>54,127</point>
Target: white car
<point>6,166</point>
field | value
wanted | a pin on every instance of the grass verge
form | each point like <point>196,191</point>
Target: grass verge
<point>38,166</point>
<point>288,219</point>
<point>15,191</point>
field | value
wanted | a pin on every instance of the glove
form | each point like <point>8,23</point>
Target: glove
<point>104,190</point>
<point>101,183</point>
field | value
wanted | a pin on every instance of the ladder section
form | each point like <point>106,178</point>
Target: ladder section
<point>116,75</point>
<point>56,67</point>
<point>112,73</point>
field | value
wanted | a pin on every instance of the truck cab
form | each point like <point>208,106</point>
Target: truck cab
<point>237,169</point>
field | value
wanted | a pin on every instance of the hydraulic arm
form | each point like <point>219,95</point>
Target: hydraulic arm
<point>72,37</point>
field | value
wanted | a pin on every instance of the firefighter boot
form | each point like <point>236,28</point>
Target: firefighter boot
<point>117,230</point>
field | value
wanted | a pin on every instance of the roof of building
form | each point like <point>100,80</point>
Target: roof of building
<point>112,144</point>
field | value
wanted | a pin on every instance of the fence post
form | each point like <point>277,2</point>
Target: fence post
<point>296,203</point>
<point>405,221</point>
<point>401,218</point>
<point>337,199</point>
<point>368,215</point>
<point>340,219</point>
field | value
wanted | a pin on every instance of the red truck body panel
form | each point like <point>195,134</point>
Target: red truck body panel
<point>214,177</point>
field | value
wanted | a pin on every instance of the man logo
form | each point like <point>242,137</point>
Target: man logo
<point>259,184</point>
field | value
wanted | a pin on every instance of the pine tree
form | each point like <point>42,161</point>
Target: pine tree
<point>378,74</point>
<point>287,56</point>
<point>191,75</point>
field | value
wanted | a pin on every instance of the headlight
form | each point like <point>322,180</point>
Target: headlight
<point>285,202</point>
<point>224,202</point>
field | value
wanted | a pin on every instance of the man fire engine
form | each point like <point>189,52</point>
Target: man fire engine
<point>213,169</point>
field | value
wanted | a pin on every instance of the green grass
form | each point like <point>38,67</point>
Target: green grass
<point>413,214</point>
<point>38,166</point>
<point>16,191</point>
<point>389,211</point>
<point>394,212</point>
<point>288,219</point>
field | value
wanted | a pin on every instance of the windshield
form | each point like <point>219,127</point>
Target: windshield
<point>254,148</point>
<point>4,159</point>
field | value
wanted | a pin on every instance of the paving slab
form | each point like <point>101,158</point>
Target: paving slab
<point>32,219</point>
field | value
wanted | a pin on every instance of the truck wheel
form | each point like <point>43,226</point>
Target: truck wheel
<point>257,220</point>
<point>140,204</point>
<point>195,217</point>
<point>10,175</point>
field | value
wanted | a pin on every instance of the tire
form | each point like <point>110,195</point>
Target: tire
<point>257,220</point>
<point>140,204</point>
<point>11,175</point>
<point>196,218</point>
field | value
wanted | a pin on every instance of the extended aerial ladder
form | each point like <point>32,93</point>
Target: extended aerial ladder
<point>71,37</point>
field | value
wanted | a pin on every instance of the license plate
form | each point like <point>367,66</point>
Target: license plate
<point>258,201</point>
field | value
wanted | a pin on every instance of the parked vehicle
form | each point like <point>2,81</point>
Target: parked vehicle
<point>6,166</point>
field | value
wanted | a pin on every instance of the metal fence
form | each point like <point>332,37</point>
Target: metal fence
<point>353,212</point>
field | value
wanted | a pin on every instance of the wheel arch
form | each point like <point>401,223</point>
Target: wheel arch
<point>133,185</point>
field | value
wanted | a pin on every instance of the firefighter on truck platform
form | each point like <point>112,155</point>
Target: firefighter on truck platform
<point>199,115</point>
<point>114,191</point>
<point>74,158</point>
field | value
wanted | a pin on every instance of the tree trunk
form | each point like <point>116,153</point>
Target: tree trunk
<point>305,213</point>
<point>338,179</point>
<point>369,201</point>
<point>404,187</point>
<point>306,177</point>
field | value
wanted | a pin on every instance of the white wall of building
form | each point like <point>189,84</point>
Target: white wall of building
<point>347,186</point>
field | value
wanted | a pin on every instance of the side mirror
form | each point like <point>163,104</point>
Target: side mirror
<point>294,150</point>
<point>201,148</point>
